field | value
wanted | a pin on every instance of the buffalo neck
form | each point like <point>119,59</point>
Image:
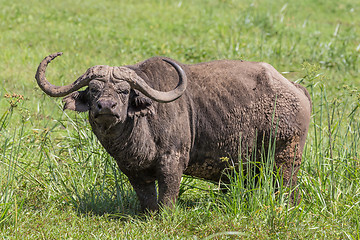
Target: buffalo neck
<point>130,143</point>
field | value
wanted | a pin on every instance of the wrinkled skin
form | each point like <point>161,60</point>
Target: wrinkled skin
<point>228,109</point>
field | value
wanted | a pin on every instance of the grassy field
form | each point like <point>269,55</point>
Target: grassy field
<point>56,181</point>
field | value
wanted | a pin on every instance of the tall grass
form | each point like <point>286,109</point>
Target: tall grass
<point>10,154</point>
<point>330,176</point>
<point>91,178</point>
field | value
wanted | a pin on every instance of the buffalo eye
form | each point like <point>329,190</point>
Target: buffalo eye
<point>123,91</point>
<point>94,90</point>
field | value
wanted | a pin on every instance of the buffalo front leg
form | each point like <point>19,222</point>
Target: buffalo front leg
<point>146,193</point>
<point>169,178</point>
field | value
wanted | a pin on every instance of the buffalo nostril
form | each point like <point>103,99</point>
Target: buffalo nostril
<point>106,104</point>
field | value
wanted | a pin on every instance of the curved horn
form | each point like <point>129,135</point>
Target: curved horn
<point>61,91</point>
<point>138,83</point>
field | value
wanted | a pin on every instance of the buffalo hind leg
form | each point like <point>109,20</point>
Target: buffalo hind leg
<point>288,156</point>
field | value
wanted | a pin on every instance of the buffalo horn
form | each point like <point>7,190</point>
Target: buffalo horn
<point>61,91</point>
<point>138,83</point>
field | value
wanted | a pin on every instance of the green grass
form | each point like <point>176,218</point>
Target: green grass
<point>57,182</point>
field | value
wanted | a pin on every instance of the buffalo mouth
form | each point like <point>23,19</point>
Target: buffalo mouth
<point>107,116</point>
<point>106,121</point>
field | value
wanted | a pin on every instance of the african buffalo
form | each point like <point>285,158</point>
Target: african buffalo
<point>217,109</point>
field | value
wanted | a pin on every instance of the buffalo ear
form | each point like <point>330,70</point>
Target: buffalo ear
<point>139,105</point>
<point>77,101</point>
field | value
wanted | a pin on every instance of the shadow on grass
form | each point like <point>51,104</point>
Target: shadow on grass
<point>122,205</point>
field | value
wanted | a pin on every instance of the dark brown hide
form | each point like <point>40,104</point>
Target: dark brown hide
<point>227,108</point>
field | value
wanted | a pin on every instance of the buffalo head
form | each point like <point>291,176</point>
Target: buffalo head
<point>113,93</point>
